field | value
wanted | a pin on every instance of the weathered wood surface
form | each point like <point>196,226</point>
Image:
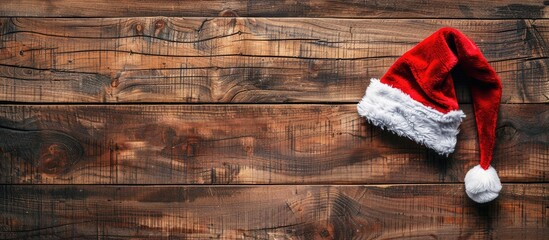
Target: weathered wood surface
<point>227,52</point>
<point>243,59</point>
<point>271,212</point>
<point>249,144</point>
<point>279,8</point>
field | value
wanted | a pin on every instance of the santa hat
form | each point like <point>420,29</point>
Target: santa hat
<point>416,99</point>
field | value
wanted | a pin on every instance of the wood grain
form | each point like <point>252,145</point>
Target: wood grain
<point>249,144</point>
<point>271,212</point>
<point>212,60</point>
<point>77,162</point>
<point>279,8</point>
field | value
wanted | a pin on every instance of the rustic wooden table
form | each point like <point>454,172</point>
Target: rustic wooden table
<point>237,120</point>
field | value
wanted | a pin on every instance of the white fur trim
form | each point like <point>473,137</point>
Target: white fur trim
<point>482,185</point>
<point>392,109</point>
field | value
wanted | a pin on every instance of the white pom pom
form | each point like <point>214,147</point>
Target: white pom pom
<point>482,185</point>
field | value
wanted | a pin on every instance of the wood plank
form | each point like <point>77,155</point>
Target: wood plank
<point>249,144</point>
<point>279,8</point>
<point>271,212</point>
<point>243,59</point>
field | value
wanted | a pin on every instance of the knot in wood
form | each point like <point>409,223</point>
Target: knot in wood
<point>139,28</point>
<point>115,82</point>
<point>324,233</point>
<point>159,24</point>
<point>54,160</point>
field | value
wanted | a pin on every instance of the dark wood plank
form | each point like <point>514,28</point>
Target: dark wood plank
<point>279,8</point>
<point>256,144</point>
<point>243,59</point>
<point>271,212</point>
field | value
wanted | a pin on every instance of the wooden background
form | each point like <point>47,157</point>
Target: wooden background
<point>237,120</point>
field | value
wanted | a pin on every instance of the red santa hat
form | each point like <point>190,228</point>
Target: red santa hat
<point>416,99</point>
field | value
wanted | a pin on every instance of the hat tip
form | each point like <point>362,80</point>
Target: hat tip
<point>482,185</point>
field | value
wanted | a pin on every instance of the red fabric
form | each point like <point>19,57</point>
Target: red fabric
<point>427,72</point>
